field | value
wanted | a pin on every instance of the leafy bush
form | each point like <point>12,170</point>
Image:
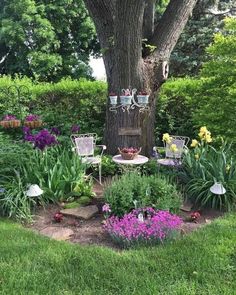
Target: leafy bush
<point>133,190</point>
<point>61,104</point>
<point>109,167</point>
<point>186,104</point>
<point>58,171</point>
<point>203,166</point>
<point>134,229</point>
<point>216,108</point>
<point>175,107</point>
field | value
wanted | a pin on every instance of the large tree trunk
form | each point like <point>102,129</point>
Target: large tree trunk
<point>121,27</point>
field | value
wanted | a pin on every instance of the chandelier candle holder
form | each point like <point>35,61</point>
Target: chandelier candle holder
<point>128,102</point>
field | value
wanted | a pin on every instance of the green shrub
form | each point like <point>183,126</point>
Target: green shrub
<point>109,167</point>
<point>58,171</point>
<point>133,190</point>
<point>202,167</point>
<point>60,104</point>
<point>175,107</point>
<point>186,104</point>
<point>216,108</point>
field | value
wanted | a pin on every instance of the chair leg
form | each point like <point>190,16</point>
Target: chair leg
<point>100,173</point>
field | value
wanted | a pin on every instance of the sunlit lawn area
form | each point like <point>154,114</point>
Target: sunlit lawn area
<point>203,262</point>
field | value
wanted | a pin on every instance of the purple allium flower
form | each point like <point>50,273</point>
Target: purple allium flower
<point>42,139</point>
<point>55,130</point>
<point>26,130</point>
<point>106,208</point>
<point>9,118</point>
<point>32,117</point>
<point>2,190</point>
<point>155,226</point>
<point>75,128</point>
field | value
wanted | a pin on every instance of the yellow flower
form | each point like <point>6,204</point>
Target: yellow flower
<point>203,129</point>
<point>227,168</point>
<point>194,143</point>
<point>166,137</point>
<point>205,134</point>
<point>208,138</point>
<point>196,156</point>
<point>173,148</point>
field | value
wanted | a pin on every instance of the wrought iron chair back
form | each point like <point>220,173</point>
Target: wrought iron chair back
<point>84,143</point>
<point>180,142</point>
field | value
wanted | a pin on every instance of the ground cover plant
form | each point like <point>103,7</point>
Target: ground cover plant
<point>203,263</point>
<point>143,226</point>
<point>133,190</point>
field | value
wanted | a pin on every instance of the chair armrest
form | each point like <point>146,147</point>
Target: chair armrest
<point>103,148</point>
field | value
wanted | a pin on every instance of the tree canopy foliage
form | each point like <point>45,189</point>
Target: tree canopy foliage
<point>188,103</point>
<point>190,51</point>
<point>46,39</point>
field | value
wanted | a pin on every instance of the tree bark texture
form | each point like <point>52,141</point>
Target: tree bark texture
<point>121,26</point>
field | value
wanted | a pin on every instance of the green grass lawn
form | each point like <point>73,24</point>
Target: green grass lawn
<point>201,263</point>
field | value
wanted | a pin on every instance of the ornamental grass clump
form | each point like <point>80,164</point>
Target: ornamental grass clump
<point>145,226</point>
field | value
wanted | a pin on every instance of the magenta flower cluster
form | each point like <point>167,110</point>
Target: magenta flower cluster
<point>32,117</point>
<point>143,226</point>
<point>9,118</point>
<point>41,140</point>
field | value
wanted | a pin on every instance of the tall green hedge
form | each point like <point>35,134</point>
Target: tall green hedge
<point>175,107</point>
<point>61,104</point>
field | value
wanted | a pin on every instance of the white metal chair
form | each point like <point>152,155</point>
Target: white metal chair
<point>85,145</point>
<point>173,158</point>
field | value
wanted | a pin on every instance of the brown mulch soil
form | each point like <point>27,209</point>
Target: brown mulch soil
<point>90,232</point>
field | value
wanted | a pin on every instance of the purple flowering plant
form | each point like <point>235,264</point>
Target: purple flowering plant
<point>32,117</point>
<point>9,118</point>
<point>56,131</point>
<point>40,140</point>
<point>75,128</point>
<point>145,226</point>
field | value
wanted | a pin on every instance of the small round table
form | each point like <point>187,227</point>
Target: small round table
<point>138,160</point>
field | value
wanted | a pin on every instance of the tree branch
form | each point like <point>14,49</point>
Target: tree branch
<point>170,27</point>
<point>148,19</point>
<point>103,14</point>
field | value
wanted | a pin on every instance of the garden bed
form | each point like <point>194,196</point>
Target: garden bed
<point>90,232</point>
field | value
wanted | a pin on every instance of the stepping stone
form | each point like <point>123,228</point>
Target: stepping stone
<point>81,212</point>
<point>57,233</point>
<point>186,207</point>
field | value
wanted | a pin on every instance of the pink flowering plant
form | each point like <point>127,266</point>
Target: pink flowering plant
<point>106,210</point>
<point>9,118</point>
<point>145,226</point>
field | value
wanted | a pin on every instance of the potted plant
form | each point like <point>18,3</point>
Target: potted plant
<point>32,121</point>
<point>129,153</point>
<point>113,98</point>
<point>10,121</point>
<point>143,97</point>
<point>126,98</point>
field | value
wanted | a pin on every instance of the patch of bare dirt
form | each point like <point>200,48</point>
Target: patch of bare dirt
<point>90,232</point>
